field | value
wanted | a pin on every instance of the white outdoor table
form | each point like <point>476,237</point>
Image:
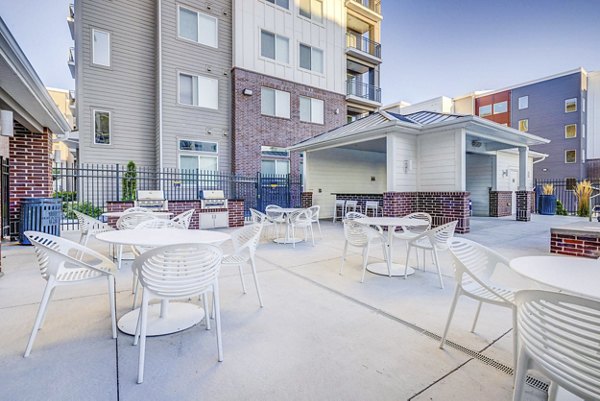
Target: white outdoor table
<point>121,214</point>
<point>287,211</point>
<point>163,318</point>
<point>574,275</point>
<point>390,269</point>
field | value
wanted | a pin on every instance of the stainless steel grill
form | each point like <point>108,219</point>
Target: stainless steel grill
<point>152,200</point>
<point>213,199</point>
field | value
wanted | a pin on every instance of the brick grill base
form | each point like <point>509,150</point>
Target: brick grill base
<point>524,200</point>
<point>586,245</point>
<point>500,203</point>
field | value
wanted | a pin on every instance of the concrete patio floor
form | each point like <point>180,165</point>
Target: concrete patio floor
<point>320,336</point>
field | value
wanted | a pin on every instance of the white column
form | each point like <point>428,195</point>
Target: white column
<point>523,157</point>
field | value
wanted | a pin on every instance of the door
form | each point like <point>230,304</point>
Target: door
<point>513,176</point>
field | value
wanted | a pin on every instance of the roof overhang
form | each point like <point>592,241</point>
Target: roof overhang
<point>22,91</point>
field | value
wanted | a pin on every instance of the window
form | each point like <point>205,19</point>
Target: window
<point>281,3</point>
<point>570,156</point>
<point>199,91</point>
<point>524,125</point>
<point>571,131</point>
<point>198,155</point>
<point>197,27</point>
<point>571,183</point>
<point>485,110</point>
<point>311,110</point>
<point>523,102</point>
<point>100,48</point>
<point>501,107</point>
<point>274,103</point>
<point>274,47</point>
<point>570,105</point>
<point>311,58</point>
<point>312,9</point>
<point>275,160</point>
<point>101,127</point>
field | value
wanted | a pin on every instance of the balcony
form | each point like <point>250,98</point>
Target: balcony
<point>370,8</point>
<point>72,101</point>
<point>363,48</point>
<point>71,61</point>
<point>71,20</point>
<point>363,94</point>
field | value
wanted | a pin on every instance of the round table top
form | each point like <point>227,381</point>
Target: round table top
<point>575,275</point>
<point>392,221</point>
<point>121,214</point>
<point>154,237</point>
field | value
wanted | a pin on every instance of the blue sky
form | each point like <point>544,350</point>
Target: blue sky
<point>429,47</point>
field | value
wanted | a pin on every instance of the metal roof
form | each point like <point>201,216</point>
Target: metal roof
<point>425,117</point>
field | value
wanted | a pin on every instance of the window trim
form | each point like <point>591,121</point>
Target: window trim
<point>274,4</point>
<point>519,125</point>
<point>196,153</point>
<point>322,73</point>
<point>570,125</point>
<point>311,105</point>
<point>289,117</point>
<point>576,105</point>
<point>488,114</point>
<point>94,111</point>
<point>519,102</point>
<point>179,7</point>
<point>182,72</point>
<point>310,19</point>
<point>571,150</point>
<point>273,60</point>
<point>94,30</point>
<point>494,107</point>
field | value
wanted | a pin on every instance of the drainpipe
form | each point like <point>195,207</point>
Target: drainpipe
<point>160,89</point>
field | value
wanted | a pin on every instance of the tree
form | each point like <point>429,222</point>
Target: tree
<point>130,182</point>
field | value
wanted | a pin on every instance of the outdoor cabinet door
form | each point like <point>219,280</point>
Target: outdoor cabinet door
<point>221,219</point>
<point>207,220</point>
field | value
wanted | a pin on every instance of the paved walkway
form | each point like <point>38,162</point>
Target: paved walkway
<point>320,336</point>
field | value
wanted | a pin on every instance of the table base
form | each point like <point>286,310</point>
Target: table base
<point>287,240</point>
<point>181,316</point>
<point>381,269</point>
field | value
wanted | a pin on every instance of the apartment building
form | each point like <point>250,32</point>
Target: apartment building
<point>220,84</point>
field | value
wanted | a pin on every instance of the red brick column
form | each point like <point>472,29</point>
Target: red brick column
<point>500,203</point>
<point>398,204</point>
<point>445,207</point>
<point>306,200</point>
<point>236,212</point>
<point>523,205</point>
<point>116,206</point>
<point>30,168</point>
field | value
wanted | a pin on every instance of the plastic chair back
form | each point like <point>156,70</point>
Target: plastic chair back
<point>440,235</point>
<point>184,218</point>
<point>246,238</point>
<point>354,215</point>
<point>132,220</point>
<point>420,216</point>
<point>314,211</point>
<point>137,209</point>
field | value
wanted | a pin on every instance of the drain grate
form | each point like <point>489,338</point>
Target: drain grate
<point>537,383</point>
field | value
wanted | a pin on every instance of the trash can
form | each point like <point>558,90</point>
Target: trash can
<point>39,214</point>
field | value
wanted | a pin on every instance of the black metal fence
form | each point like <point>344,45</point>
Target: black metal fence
<point>88,187</point>
<point>5,196</point>
<point>564,191</point>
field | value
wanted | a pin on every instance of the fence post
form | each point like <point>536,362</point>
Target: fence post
<point>117,182</point>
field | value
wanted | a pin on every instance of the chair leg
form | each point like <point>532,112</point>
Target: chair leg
<point>437,264</point>
<point>552,391</point>
<point>135,292</point>
<point>242,278</point>
<point>521,375</point>
<point>312,234</point>
<point>408,249</point>
<point>457,294</point>
<point>40,315</point>
<point>344,257</point>
<point>365,261</point>
<point>144,322</point>
<point>111,297</point>
<point>46,310</point>
<point>255,275</point>
<point>515,337</point>
<point>217,307</point>
<point>476,317</point>
<point>319,225</point>
<point>120,257</point>
<point>206,311</point>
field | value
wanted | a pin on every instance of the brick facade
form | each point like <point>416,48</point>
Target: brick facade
<point>500,203</point>
<point>524,200</point>
<point>575,244</point>
<point>236,212</point>
<point>306,199</point>
<point>30,174</point>
<point>251,129</point>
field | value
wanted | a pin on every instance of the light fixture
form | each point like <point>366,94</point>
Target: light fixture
<point>475,143</point>
<point>247,92</point>
<point>6,123</point>
<point>337,111</point>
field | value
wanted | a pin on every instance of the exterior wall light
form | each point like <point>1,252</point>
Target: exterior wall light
<point>247,92</point>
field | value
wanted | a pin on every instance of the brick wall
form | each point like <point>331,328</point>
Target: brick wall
<point>306,199</point>
<point>236,212</point>
<point>500,203</point>
<point>30,168</point>
<point>576,244</point>
<point>523,205</point>
<point>361,199</point>
<point>251,129</point>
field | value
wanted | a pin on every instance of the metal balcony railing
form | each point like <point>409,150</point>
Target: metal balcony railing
<point>363,44</point>
<point>373,5</point>
<point>363,90</point>
<point>71,55</point>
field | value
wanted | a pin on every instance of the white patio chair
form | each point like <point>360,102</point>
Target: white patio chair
<point>340,205</point>
<point>184,218</point>
<point>433,240</point>
<point>130,221</point>
<point>245,241</point>
<point>362,236</point>
<point>354,216</point>
<point>374,208</point>
<point>176,272</point>
<point>261,218</point>
<point>137,209</point>
<point>314,211</point>
<point>276,216</point>
<point>474,267</point>
<point>302,219</point>
<point>352,206</point>
<point>63,262</point>
<point>89,227</point>
<point>559,337</point>
<point>409,233</point>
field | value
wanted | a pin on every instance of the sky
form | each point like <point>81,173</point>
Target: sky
<point>429,47</point>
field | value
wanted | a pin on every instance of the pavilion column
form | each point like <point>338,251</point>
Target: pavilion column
<point>523,195</point>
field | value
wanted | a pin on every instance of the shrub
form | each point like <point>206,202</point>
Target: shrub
<point>66,196</point>
<point>560,209</point>
<point>130,182</point>
<point>583,191</point>
<point>85,207</point>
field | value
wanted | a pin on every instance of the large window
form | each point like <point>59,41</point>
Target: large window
<point>274,160</point>
<point>311,110</point>
<point>311,58</point>
<point>274,47</point>
<point>200,91</point>
<point>571,131</point>
<point>274,102</point>
<point>100,48</point>
<point>197,27</point>
<point>281,3</point>
<point>523,102</point>
<point>570,156</point>
<point>524,125</point>
<point>501,107</point>
<point>101,127</point>
<point>571,105</point>
<point>485,110</point>
<point>198,155</point>
<point>312,9</point>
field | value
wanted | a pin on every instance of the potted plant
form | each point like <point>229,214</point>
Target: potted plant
<point>548,200</point>
<point>583,191</point>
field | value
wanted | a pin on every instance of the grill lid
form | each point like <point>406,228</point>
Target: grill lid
<point>212,194</point>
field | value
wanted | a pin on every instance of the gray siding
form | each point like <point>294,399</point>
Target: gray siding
<point>179,55</point>
<point>126,88</point>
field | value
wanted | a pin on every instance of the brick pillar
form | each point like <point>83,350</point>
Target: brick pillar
<point>236,212</point>
<point>398,204</point>
<point>523,205</point>
<point>306,200</point>
<point>500,203</point>
<point>30,168</point>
